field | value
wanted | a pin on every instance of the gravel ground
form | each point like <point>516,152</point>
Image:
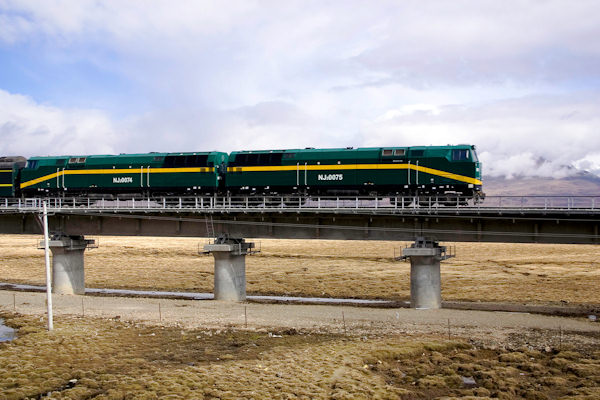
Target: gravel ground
<point>492,328</point>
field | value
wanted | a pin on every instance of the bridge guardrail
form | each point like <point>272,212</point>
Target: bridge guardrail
<point>433,204</point>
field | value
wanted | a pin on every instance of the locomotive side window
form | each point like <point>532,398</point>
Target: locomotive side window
<point>275,159</point>
<point>5,178</point>
<point>250,160</point>
<point>460,155</point>
<point>388,152</point>
<point>173,161</point>
<point>32,164</point>
<point>399,152</point>
<point>198,160</point>
<point>240,159</point>
<point>237,161</point>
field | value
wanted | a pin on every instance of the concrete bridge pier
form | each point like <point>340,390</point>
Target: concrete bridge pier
<point>425,277</point>
<point>230,267</point>
<point>68,275</point>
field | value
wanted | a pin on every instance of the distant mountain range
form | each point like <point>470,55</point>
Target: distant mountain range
<point>583,184</point>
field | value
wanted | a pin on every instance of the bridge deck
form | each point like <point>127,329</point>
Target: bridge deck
<point>492,205</point>
<point>533,219</point>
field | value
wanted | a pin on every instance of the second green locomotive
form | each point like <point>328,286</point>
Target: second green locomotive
<point>430,170</point>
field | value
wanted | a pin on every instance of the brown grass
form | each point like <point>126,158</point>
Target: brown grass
<point>107,359</point>
<point>362,269</point>
<point>524,373</point>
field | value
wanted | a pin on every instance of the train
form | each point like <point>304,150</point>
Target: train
<point>450,172</point>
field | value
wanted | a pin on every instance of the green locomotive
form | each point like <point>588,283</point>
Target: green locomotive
<point>447,171</point>
<point>423,170</point>
<point>124,173</point>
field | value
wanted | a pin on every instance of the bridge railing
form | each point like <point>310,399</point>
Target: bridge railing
<point>233,203</point>
<point>542,202</point>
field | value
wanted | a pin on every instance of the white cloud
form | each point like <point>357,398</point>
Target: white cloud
<point>590,162</point>
<point>272,46</point>
<point>541,136</point>
<point>408,110</point>
<point>30,129</point>
<point>517,78</point>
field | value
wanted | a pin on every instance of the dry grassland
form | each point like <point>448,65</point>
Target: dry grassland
<point>107,359</point>
<point>362,269</point>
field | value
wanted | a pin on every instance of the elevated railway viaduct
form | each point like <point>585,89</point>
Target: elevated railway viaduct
<point>537,219</point>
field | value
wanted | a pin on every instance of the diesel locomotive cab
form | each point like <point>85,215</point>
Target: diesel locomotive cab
<point>465,159</point>
<point>478,188</point>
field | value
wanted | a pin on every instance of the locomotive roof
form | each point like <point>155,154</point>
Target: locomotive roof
<point>125,155</point>
<point>311,149</point>
<point>307,150</point>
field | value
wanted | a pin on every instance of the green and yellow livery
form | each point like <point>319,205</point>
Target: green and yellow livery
<point>381,171</point>
<point>424,170</point>
<point>150,172</point>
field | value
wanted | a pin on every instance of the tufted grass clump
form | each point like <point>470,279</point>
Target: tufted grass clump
<point>109,359</point>
<point>457,370</point>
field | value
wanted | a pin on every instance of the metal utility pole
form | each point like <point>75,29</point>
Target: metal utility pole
<point>48,278</point>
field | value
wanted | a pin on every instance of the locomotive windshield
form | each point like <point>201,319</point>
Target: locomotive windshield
<point>460,154</point>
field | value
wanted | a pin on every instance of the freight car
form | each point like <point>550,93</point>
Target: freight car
<point>445,171</point>
<point>430,170</point>
<point>163,173</point>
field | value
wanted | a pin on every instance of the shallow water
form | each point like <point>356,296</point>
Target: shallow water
<point>204,296</point>
<point>6,333</point>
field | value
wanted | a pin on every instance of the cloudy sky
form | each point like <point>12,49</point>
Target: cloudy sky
<point>520,79</point>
